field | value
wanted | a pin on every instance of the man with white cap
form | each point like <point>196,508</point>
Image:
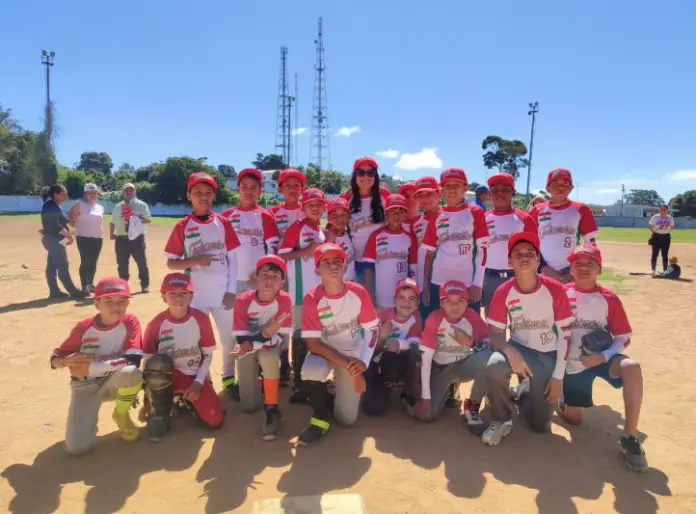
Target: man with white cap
<point>126,213</point>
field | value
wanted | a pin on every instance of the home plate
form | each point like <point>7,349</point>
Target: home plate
<point>321,504</point>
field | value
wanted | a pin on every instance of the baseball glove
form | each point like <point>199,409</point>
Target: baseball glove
<point>650,241</point>
<point>596,341</point>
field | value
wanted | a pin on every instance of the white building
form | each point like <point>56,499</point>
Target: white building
<point>268,185</point>
<point>633,211</point>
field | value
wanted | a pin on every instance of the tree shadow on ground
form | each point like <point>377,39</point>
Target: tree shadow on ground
<point>112,470</point>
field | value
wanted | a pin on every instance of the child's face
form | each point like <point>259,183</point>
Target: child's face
<point>524,258</point>
<point>559,190</point>
<point>428,201</point>
<point>177,301</point>
<point>411,201</point>
<point>201,197</point>
<point>453,192</point>
<point>395,218</point>
<point>112,308</point>
<point>501,196</point>
<point>331,268</point>
<point>268,281</point>
<point>585,270</point>
<point>314,210</point>
<point>339,218</point>
<point>249,191</point>
<point>406,302</point>
<point>454,306</point>
<point>291,189</point>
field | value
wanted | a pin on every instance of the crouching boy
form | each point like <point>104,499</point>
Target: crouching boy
<point>103,355</point>
<point>178,347</point>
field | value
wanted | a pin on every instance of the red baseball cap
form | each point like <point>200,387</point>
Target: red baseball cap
<point>589,250</point>
<point>336,204</point>
<point>457,174</point>
<point>407,283</point>
<point>249,172</point>
<point>530,237</point>
<point>311,194</point>
<point>292,173</point>
<point>326,249</point>
<point>505,178</point>
<point>408,187</point>
<point>561,173</point>
<point>364,160</point>
<point>176,282</point>
<point>396,202</point>
<point>272,259</point>
<point>427,185</point>
<point>111,286</point>
<point>454,287</point>
<point>201,177</point>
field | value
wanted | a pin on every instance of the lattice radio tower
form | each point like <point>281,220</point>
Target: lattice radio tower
<point>283,120</point>
<point>320,149</point>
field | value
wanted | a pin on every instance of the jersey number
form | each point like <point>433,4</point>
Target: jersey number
<point>464,249</point>
<point>546,338</point>
<point>401,267</point>
<point>567,242</point>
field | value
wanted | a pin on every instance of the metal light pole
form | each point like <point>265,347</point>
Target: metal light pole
<point>533,109</point>
<point>47,60</point>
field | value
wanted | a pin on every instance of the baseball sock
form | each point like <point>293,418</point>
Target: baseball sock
<point>125,396</point>
<point>270,390</point>
<point>318,399</point>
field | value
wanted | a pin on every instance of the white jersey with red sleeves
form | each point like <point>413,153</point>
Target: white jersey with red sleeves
<point>285,216</point>
<point>394,255</point>
<point>301,272</point>
<point>252,314</point>
<point>408,224</point>
<point>419,229</point>
<point>458,235</point>
<point>561,228</point>
<point>361,224</point>
<point>535,317</point>
<point>407,331</point>
<point>181,339</point>
<point>597,308</point>
<point>104,343</point>
<point>257,233</point>
<point>502,225</point>
<point>339,320</point>
<point>192,237</point>
<point>346,244</point>
<point>438,336</point>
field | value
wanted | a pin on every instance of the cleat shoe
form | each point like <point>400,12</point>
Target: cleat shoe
<point>271,419</point>
<point>145,290</point>
<point>314,432</point>
<point>633,453</point>
<point>473,418</point>
<point>157,428</point>
<point>495,432</point>
<point>129,432</point>
<point>231,388</point>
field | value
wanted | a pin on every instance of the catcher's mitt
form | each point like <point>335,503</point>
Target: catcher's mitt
<point>650,241</point>
<point>596,341</point>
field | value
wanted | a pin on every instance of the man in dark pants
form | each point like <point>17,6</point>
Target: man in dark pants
<point>123,216</point>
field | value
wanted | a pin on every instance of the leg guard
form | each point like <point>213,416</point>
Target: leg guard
<point>158,385</point>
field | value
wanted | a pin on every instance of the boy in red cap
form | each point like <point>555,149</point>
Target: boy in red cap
<point>428,195</point>
<point>397,350</point>
<point>337,231</point>
<point>537,310</point>
<point>451,343</point>
<point>503,220</point>
<point>262,323</point>
<point>291,182</point>
<point>597,308</point>
<point>254,226</point>
<point>408,191</point>
<point>103,355</point>
<point>561,224</point>
<point>339,325</point>
<point>456,242</point>
<point>390,255</point>
<point>204,245</point>
<point>178,347</point>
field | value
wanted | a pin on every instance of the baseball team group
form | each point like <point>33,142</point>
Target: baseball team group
<point>398,299</point>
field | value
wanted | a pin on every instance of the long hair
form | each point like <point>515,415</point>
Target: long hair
<point>50,191</point>
<point>375,204</point>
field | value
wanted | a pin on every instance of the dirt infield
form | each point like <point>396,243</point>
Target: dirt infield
<point>395,463</point>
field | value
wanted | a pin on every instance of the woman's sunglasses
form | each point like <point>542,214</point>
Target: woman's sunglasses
<point>365,173</point>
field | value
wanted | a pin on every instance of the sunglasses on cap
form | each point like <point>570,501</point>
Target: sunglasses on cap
<point>365,173</point>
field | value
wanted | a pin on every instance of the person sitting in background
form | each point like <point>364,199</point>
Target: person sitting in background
<point>673,271</point>
<point>482,196</point>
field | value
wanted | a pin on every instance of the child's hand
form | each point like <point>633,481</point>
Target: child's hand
<point>392,345</point>
<point>78,363</point>
<point>228,301</point>
<point>356,367</point>
<point>385,330</point>
<point>193,392</point>
<point>462,337</point>
<point>422,409</point>
<point>359,383</point>
<point>475,293</point>
<point>204,260</point>
<point>274,326</point>
<point>242,349</point>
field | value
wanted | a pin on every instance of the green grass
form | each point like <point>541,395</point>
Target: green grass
<point>641,235</point>
<point>158,220</point>
<point>613,280</point>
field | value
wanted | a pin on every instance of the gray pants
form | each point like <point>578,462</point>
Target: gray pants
<point>247,372</point>
<point>86,398</point>
<point>465,370</point>
<point>57,264</point>
<point>490,284</point>
<point>533,406</point>
<point>347,402</point>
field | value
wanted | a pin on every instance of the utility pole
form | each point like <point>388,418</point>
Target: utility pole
<point>296,122</point>
<point>47,60</point>
<point>623,194</point>
<point>283,117</point>
<point>320,149</point>
<point>533,110</point>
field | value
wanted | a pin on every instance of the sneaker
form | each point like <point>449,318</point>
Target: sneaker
<point>129,432</point>
<point>633,453</point>
<point>271,417</point>
<point>231,388</point>
<point>517,391</point>
<point>145,290</point>
<point>157,428</point>
<point>495,432</point>
<point>313,433</point>
<point>77,294</point>
<point>90,289</point>
<point>473,419</point>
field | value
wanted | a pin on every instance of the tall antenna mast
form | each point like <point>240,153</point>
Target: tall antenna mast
<point>320,150</point>
<point>283,118</point>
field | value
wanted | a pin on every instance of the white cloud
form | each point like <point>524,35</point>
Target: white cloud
<point>681,175</point>
<point>298,131</point>
<point>347,131</point>
<point>606,191</point>
<point>388,154</point>
<point>426,158</point>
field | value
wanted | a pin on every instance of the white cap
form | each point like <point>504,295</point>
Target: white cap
<point>126,186</point>
<point>89,187</point>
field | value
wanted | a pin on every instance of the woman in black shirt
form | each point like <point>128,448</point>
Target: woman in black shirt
<point>55,236</point>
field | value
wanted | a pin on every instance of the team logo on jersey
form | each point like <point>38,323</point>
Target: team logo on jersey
<point>253,319</point>
<point>573,302</point>
<point>544,216</point>
<point>193,232</point>
<point>325,312</point>
<point>443,223</point>
<point>383,241</point>
<point>308,237</point>
<point>281,219</point>
<point>514,306</point>
<point>235,218</point>
<point>92,346</point>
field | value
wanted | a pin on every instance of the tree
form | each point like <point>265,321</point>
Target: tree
<point>313,176</point>
<point>269,162</point>
<point>126,167</point>
<point>100,161</point>
<point>123,177</point>
<point>170,179</point>
<point>142,174</point>
<point>644,197</point>
<point>227,171</point>
<point>473,186</point>
<point>685,203</point>
<point>74,181</point>
<point>505,155</point>
<point>332,182</point>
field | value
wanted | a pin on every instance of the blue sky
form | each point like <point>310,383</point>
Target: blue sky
<point>147,80</point>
